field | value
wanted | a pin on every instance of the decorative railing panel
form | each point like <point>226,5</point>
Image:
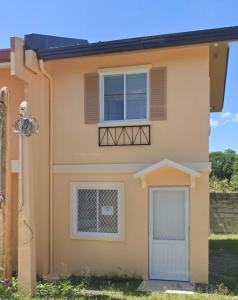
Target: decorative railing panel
<point>135,135</point>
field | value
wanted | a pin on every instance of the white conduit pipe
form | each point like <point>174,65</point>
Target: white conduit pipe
<point>51,214</point>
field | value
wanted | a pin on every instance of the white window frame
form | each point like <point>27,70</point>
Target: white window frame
<point>74,186</point>
<point>123,71</point>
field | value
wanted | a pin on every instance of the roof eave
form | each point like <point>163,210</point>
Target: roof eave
<point>142,43</point>
<point>218,65</point>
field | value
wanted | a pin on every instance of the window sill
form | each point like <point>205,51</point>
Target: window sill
<point>124,123</point>
<point>101,237</point>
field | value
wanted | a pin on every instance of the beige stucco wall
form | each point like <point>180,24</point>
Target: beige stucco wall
<point>129,256</point>
<point>15,219</point>
<point>182,137</point>
<point>35,91</point>
<point>36,179</point>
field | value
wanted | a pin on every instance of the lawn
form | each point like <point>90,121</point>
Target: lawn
<point>223,279</point>
<point>224,261</point>
<point>100,288</point>
<point>224,242</point>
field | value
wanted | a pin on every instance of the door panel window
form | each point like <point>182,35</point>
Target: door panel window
<point>169,215</point>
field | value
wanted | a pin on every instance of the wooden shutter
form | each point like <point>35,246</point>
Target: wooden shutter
<point>158,110</point>
<point>91,98</point>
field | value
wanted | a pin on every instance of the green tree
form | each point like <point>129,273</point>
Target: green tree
<point>218,185</point>
<point>217,159</point>
<point>230,157</point>
<point>234,183</point>
<point>224,173</point>
<point>234,177</point>
<point>222,163</point>
<point>235,166</point>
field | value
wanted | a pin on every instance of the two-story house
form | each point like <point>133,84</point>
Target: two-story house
<point>117,180</point>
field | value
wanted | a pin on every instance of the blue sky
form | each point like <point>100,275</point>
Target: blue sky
<point>114,19</point>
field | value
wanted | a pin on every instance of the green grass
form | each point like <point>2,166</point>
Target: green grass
<point>224,261</point>
<point>96,288</point>
<point>224,242</point>
<point>223,278</point>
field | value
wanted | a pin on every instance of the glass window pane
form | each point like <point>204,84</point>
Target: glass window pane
<point>87,210</point>
<point>136,107</point>
<point>136,83</point>
<point>136,96</point>
<point>113,97</point>
<point>169,215</point>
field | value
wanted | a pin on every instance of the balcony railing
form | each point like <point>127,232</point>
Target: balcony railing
<point>136,135</point>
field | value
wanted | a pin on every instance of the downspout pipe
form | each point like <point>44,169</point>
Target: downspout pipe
<point>51,95</point>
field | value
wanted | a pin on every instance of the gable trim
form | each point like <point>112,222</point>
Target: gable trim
<point>167,163</point>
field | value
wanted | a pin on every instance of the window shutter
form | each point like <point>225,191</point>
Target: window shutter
<point>158,109</point>
<point>91,98</point>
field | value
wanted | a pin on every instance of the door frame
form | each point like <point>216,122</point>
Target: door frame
<point>184,188</point>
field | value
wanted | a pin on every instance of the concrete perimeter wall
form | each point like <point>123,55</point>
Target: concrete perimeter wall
<point>224,212</point>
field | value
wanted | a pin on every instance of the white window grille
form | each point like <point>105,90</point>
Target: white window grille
<point>97,210</point>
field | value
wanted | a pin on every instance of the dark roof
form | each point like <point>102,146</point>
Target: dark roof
<point>4,55</point>
<point>37,42</point>
<point>140,43</point>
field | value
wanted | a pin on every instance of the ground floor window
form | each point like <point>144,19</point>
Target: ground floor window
<point>97,210</point>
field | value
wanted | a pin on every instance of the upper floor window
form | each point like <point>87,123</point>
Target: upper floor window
<point>133,94</point>
<point>124,96</point>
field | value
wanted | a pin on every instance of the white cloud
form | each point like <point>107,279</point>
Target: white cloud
<point>235,118</point>
<point>226,115</point>
<point>214,123</point>
<point>224,118</point>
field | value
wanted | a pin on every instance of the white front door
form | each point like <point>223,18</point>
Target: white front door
<point>168,230</point>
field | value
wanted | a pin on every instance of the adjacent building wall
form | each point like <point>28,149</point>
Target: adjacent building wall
<point>16,95</point>
<point>33,216</point>
<point>37,94</point>
<point>16,91</point>
<point>36,175</point>
<point>15,219</point>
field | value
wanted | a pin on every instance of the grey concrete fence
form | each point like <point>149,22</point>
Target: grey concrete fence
<point>224,212</point>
